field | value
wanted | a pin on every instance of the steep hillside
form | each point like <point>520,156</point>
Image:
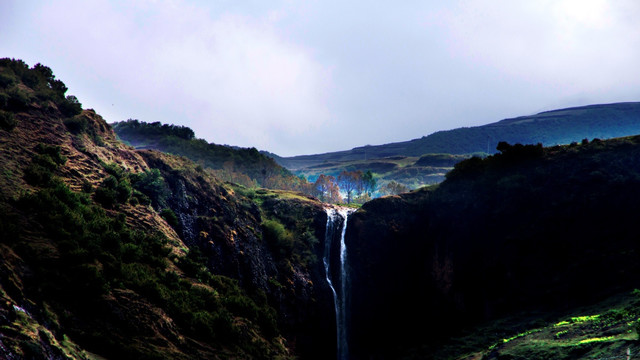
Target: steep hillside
<point>112,252</point>
<point>240,165</point>
<point>530,229</point>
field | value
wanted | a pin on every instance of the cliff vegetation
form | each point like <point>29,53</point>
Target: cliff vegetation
<point>112,252</point>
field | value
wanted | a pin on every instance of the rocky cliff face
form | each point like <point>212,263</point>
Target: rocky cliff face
<point>112,252</point>
<point>528,229</point>
<point>226,226</point>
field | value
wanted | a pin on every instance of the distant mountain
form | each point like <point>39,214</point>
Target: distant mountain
<point>550,128</point>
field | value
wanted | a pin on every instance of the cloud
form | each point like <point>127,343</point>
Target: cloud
<point>570,45</point>
<point>233,78</point>
<point>304,77</point>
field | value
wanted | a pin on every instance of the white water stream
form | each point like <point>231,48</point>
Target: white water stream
<point>339,295</point>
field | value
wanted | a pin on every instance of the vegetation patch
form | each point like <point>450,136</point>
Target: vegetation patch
<point>20,86</point>
<point>245,166</point>
<point>7,120</point>
<point>609,331</point>
<point>94,258</point>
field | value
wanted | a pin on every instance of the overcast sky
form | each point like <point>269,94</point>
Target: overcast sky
<point>303,77</point>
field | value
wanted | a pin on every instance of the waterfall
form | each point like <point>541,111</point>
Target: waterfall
<point>339,295</point>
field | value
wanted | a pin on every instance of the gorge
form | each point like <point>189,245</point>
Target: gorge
<point>114,252</point>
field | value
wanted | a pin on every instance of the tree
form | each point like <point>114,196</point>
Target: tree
<point>58,87</point>
<point>369,182</point>
<point>70,106</point>
<point>393,188</point>
<point>349,181</point>
<point>322,185</point>
<point>327,189</point>
<point>334,194</point>
<point>152,185</point>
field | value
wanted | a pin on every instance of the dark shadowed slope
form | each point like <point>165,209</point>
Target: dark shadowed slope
<point>529,229</point>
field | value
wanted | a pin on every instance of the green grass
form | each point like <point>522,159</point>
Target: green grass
<point>605,329</point>
<point>287,233</point>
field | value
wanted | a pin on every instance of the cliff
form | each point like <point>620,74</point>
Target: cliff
<point>529,229</point>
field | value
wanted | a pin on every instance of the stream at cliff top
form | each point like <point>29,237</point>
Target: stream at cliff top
<point>339,294</point>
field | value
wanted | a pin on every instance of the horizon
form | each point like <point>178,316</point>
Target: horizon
<point>302,79</point>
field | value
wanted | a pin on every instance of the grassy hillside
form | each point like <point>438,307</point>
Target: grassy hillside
<point>605,330</point>
<point>244,166</point>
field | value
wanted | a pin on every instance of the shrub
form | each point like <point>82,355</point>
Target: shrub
<point>37,175</point>
<point>151,184</point>
<point>7,121</point>
<point>6,80</point>
<point>242,306</point>
<point>70,106</point>
<point>18,100</point>
<point>170,217</point>
<point>193,263</point>
<point>139,198</point>
<point>278,237</point>
<point>306,246</point>
<point>114,169</point>
<point>123,191</point>
<point>106,193</point>
<point>4,100</point>
<point>134,201</point>
<point>519,151</point>
<point>76,124</point>
<point>96,252</point>
<point>91,279</point>
<point>86,186</point>
<point>53,152</point>
<point>468,167</point>
<point>30,79</point>
<point>40,171</point>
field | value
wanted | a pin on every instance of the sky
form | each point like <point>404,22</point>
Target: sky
<point>306,77</point>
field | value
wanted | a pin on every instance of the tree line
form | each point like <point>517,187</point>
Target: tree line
<point>357,186</point>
